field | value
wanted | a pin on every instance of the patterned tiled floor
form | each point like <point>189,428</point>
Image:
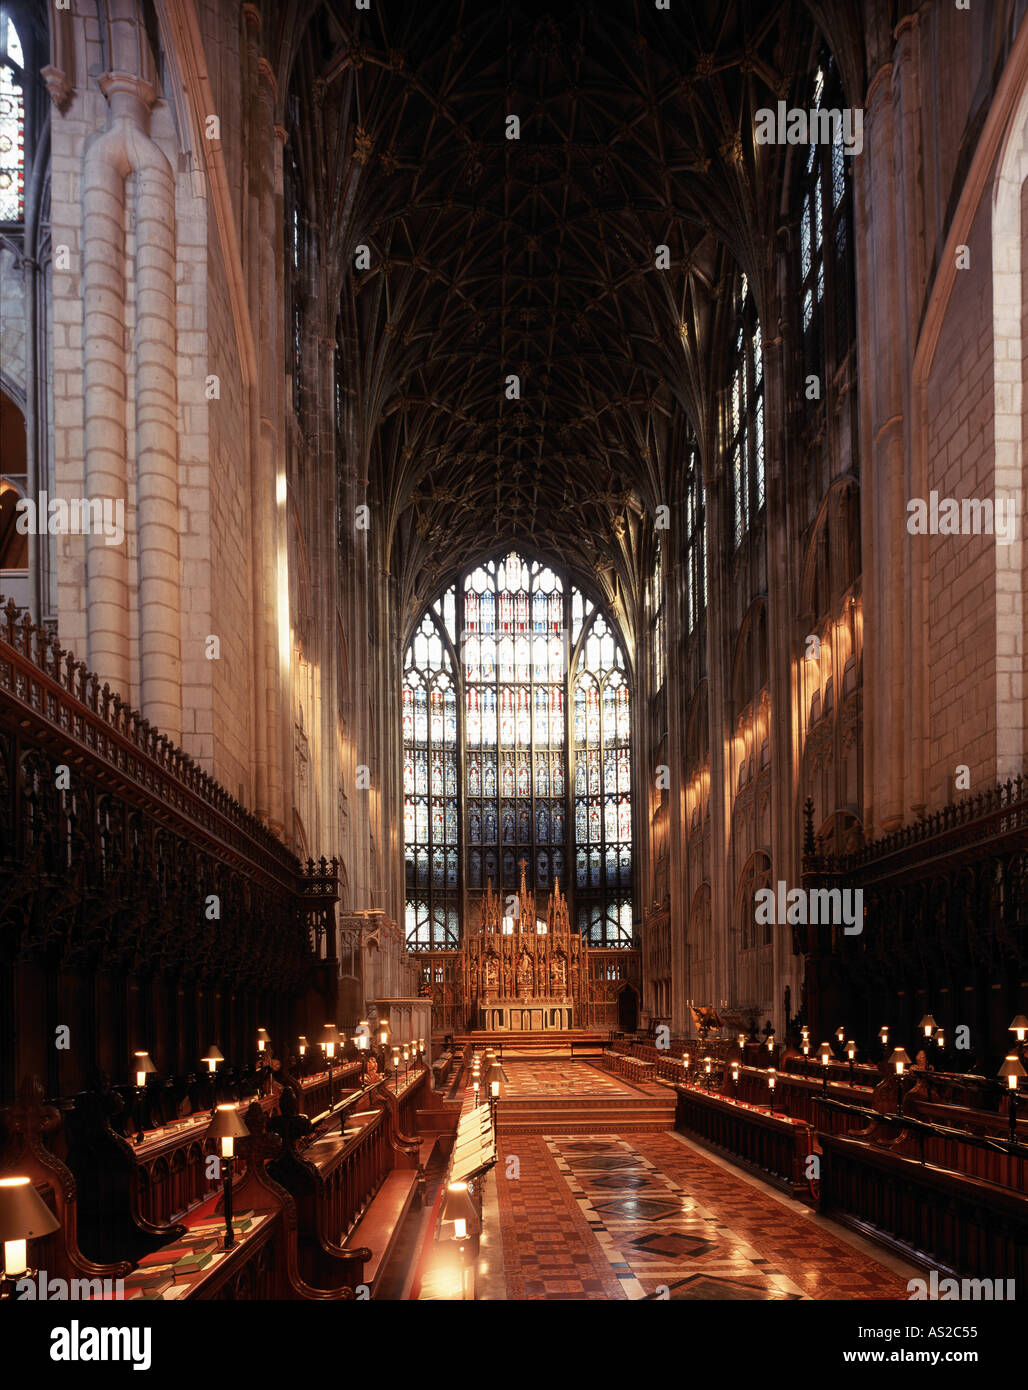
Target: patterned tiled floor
<point>611,1218</point>
<point>579,1079</point>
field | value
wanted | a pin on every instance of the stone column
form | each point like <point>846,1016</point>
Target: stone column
<point>881,302</point>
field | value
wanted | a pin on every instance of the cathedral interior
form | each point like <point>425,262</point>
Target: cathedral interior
<point>512,638</point>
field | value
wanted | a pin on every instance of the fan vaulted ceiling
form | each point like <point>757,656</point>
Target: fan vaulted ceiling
<point>535,257</point>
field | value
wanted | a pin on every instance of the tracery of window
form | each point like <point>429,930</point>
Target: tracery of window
<point>658,635</point>
<point>12,124</point>
<point>695,546</point>
<point>826,271</point>
<point>514,664</point>
<point>603,785</point>
<point>295,271</point>
<point>745,424</point>
<point>431,815</point>
<point>512,626</point>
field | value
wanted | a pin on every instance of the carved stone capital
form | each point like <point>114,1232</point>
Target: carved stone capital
<point>124,90</point>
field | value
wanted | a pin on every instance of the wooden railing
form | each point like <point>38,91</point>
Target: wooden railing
<point>170,1170</point>
<point>994,1160</point>
<point>961,1225</point>
<point>794,1095</point>
<point>773,1145</point>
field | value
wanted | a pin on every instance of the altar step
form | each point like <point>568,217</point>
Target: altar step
<point>586,1115</point>
<point>553,1043</point>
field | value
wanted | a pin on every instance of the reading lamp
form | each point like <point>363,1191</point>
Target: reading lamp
<point>1011,1071</point>
<point>213,1059</point>
<point>226,1127</point>
<point>460,1209</point>
<point>329,1038</point>
<point>143,1067</point>
<point>23,1216</point>
<point>899,1060</point>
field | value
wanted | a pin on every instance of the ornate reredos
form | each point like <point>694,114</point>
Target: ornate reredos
<point>519,955</point>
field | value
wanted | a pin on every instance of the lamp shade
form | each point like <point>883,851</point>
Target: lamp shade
<point>227,1123</point>
<point>899,1059</point>
<point>458,1205</point>
<point>263,1038</point>
<point>23,1213</point>
<point>927,1025</point>
<point>1011,1071</point>
<point>329,1034</point>
<point>1020,1027</point>
<point>141,1064</point>
<point>495,1073</point>
<point>214,1055</point>
<point>825,1053</point>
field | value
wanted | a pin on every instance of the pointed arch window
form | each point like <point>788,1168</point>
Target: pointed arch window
<point>430,792</point>
<point>12,123</point>
<point>695,545</point>
<point>502,642</point>
<point>745,422</point>
<point>825,264</point>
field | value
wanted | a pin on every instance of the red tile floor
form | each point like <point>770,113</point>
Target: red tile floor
<point>649,1217</point>
<point>561,1078</point>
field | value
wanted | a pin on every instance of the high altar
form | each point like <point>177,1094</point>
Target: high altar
<point>521,972</point>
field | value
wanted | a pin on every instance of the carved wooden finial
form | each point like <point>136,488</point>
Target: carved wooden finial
<point>808,826</point>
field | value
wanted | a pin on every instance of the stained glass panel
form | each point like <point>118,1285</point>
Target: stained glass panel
<point>12,138</point>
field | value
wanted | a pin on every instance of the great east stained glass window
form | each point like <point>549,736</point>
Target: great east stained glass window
<point>510,645</point>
